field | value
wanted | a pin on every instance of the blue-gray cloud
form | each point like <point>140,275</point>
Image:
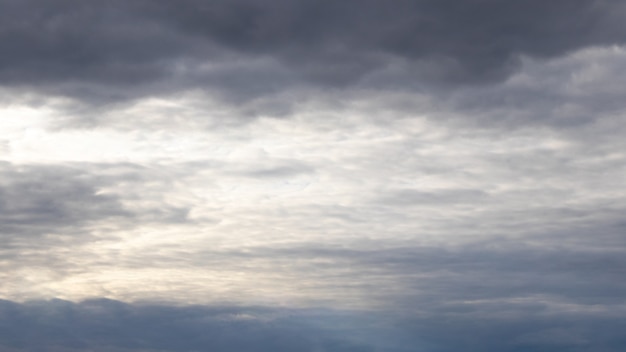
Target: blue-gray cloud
<point>119,51</point>
<point>106,325</point>
<point>453,171</point>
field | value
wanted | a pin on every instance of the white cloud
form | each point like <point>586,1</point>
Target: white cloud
<point>211,200</point>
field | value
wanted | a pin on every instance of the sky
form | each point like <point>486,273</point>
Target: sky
<point>312,175</point>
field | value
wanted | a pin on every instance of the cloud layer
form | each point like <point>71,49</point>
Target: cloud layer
<point>106,325</point>
<point>244,50</point>
<point>312,175</point>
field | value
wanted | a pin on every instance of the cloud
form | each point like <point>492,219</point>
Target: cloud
<point>36,201</point>
<point>106,325</point>
<point>242,49</point>
<point>526,327</point>
<point>568,92</point>
<point>450,171</point>
<point>203,207</point>
<point>70,200</point>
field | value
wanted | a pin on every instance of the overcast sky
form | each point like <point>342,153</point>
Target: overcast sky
<point>312,175</point>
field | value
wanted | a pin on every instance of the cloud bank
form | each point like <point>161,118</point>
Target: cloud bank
<point>301,175</point>
<point>245,49</point>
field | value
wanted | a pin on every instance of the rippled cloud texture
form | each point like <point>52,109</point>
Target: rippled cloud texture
<point>312,175</point>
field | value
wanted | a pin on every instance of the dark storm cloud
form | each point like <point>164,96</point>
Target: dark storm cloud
<point>119,50</point>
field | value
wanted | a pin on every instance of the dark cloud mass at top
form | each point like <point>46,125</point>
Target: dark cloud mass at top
<point>119,50</point>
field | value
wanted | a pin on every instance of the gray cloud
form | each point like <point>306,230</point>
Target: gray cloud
<point>507,295</point>
<point>50,199</point>
<point>525,327</point>
<point>410,197</point>
<point>579,267</point>
<point>244,49</point>
<point>281,169</point>
<point>454,168</point>
<point>40,200</point>
<point>106,325</point>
